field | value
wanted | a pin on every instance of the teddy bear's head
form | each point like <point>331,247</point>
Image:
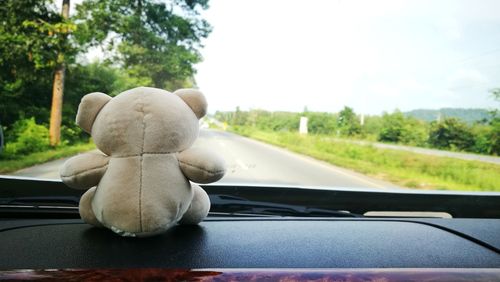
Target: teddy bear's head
<point>142,120</point>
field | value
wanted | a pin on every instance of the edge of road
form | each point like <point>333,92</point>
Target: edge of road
<point>346,172</point>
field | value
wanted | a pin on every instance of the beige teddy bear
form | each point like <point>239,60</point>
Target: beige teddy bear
<point>141,180</point>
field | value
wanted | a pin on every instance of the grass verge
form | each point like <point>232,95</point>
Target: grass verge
<point>400,167</point>
<point>7,166</point>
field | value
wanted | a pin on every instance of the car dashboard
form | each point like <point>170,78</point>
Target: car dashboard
<point>244,246</point>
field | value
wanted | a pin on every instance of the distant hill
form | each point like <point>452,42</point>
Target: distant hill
<point>467,115</point>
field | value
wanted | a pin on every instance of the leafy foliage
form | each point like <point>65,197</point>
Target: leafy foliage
<point>28,137</point>
<point>398,128</point>
<point>154,43</point>
<point>494,137</point>
<point>348,123</point>
<point>157,42</point>
<point>451,133</point>
<point>32,34</point>
<point>321,123</point>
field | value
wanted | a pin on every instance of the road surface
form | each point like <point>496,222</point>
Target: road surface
<point>252,162</point>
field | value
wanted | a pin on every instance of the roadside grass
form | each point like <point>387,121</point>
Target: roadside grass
<point>403,168</point>
<point>7,166</point>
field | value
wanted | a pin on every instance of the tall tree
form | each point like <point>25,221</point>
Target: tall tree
<point>32,34</point>
<point>155,41</point>
<point>58,89</point>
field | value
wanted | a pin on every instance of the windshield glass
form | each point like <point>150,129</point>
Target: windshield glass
<point>340,94</point>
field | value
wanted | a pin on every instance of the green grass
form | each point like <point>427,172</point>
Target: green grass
<point>400,167</point>
<point>7,166</point>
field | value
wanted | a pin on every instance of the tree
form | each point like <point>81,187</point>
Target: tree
<point>32,34</point>
<point>155,41</point>
<point>494,136</point>
<point>348,123</point>
<point>58,87</point>
<point>398,128</point>
<point>373,125</point>
<point>392,127</point>
<point>321,123</point>
<point>451,133</point>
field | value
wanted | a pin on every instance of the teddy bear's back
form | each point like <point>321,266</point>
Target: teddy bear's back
<point>145,120</point>
<point>158,193</point>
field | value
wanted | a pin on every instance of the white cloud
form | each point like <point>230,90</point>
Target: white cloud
<point>466,78</point>
<point>370,55</point>
<point>373,56</point>
<point>449,27</point>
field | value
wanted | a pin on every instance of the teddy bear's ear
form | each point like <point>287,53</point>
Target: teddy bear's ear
<point>195,100</point>
<point>88,109</point>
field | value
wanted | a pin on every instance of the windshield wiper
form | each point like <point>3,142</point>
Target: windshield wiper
<point>240,206</point>
<point>220,204</point>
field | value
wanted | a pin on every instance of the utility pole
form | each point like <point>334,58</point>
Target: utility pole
<point>58,90</point>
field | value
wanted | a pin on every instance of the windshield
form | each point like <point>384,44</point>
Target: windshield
<point>338,94</point>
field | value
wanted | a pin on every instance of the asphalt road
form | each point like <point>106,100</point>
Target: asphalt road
<point>252,162</point>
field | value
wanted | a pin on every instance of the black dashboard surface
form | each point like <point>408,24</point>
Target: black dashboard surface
<point>257,243</point>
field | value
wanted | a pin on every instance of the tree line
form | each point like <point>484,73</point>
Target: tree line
<point>447,133</point>
<point>44,73</point>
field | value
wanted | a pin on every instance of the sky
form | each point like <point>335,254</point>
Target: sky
<point>373,56</point>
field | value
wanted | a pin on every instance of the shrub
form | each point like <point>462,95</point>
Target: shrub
<point>73,134</point>
<point>482,139</point>
<point>400,129</point>
<point>494,137</point>
<point>392,127</point>
<point>347,122</point>
<point>28,137</point>
<point>451,133</point>
<point>320,123</point>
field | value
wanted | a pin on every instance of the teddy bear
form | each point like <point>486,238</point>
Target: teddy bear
<point>140,183</point>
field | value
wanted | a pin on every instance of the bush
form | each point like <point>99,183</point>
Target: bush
<point>72,134</point>
<point>494,137</point>
<point>320,123</point>
<point>348,123</point>
<point>392,127</point>
<point>28,137</point>
<point>482,139</point>
<point>373,125</point>
<point>400,129</point>
<point>451,133</point>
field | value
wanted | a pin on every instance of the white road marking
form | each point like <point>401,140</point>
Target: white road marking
<point>241,164</point>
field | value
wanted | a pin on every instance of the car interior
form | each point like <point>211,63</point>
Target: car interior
<point>212,140</point>
<point>261,227</point>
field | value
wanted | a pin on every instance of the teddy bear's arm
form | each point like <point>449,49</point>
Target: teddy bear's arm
<point>200,205</point>
<point>85,170</point>
<point>201,166</point>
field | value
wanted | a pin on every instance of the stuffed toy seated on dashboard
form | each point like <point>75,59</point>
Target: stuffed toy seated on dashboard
<point>140,183</point>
